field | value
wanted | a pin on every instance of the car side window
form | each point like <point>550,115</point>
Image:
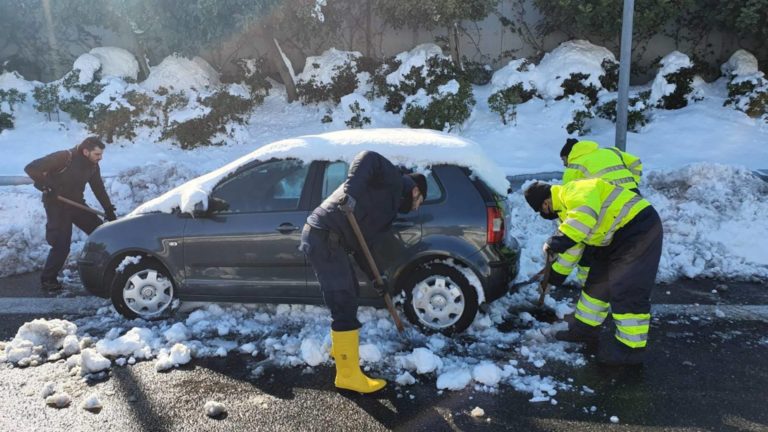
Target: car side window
<point>335,174</point>
<point>434,192</point>
<point>271,186</point>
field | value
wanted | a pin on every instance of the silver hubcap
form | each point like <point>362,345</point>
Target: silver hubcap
<point>438,302</point>
<point>147,293</point>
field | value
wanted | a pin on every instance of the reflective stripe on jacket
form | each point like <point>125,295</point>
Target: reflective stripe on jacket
<point>587,161</point>
<point>591,211</point>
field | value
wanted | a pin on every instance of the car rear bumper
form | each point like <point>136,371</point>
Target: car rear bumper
<point>501,271</point>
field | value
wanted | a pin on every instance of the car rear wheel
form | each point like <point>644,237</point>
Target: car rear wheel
<point>439,298</point>
<point>142,290</point>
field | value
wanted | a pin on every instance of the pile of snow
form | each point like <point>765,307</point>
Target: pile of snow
<point>742,63</point>
<point>40,339</point>
<point>116,62</point>
<point>179,73</point>
<point>408,147</point>
<point>324,67</point>
<point>87,65</point>
<point>178,355</point>
<point>576,56</point>
<point>670,63</point>
<point>214,409</point>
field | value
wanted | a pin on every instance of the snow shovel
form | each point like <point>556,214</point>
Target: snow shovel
<point>544,284</point>
<point>534,278</point>
<point>80,206</point>
<point>374,269</point>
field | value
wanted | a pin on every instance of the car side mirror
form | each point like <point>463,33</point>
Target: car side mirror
<point>216,205</point>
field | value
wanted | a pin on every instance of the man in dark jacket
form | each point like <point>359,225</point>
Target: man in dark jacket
<point>65,173</point>
<point>375,191</point>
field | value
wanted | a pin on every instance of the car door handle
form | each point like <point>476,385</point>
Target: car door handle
<point>287,228</point>
<point>402,223</point>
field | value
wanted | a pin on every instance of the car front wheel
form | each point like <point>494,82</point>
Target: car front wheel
<point>439,298</point>
<point>142,290</point>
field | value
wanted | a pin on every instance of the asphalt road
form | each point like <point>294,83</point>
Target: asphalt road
<point>704,373</point>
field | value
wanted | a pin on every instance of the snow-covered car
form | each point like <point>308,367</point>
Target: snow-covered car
<point>446,259</point>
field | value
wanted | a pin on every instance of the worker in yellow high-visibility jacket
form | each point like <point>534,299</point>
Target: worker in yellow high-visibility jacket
<point>587,160</point>
<point>626,233</point>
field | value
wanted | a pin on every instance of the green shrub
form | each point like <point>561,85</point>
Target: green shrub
<point>578,124</point>
<point>225,108</point>
<point>379,78</point>
<point>252,73</point>
<point>444,112</point>
<point>344,82</point>
<point>173,102</point>
<point>47,99</point>
<point>576,84</point>
<point>749,96</point>
<point>12,97</point>
<point>476,73</point>
<point>637,113</point>
<point>112,123</point>
<point>358,119</point>
<point>6,121</point>
<point>683,81</point>
<point>78,105</point>
<point>610,79</point>
<point>504,102</point>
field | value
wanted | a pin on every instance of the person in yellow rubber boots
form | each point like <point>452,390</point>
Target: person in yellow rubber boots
<point>585,160</point>
<point>626,232</point>
<point>375,191</point>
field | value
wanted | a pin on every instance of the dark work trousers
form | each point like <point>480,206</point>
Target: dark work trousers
<point>624,272</point>
<point>58,234</point>
<point>336,275</point>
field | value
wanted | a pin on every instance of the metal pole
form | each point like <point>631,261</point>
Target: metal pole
<point>624,64</point>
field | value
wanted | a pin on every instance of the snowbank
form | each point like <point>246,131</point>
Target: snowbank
<point>416,57</point>
<point>12,80</point>
<point>180,73</point>
<point>408,147</point>
<point>116,62</point>
<point>741,63</point>
<point>38,340</point>
<point>87,65</point>
<point>322,68</point>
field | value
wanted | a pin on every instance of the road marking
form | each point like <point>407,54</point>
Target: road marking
<point>85,305</point>
<point>43,305</point>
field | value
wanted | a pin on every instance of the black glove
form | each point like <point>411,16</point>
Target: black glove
<point>109,213</point>
<point>49,193</point>
<point>347,203</point>
<point>556,279</point>
<point>382,288</point>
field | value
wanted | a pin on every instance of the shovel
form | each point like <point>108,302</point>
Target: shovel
<point>80,206</point>
<point>374,269</point>
<point>544,284</point>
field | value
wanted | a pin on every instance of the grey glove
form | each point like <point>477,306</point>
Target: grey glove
<point>347,203</point>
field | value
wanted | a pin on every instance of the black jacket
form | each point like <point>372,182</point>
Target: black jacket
<point>67,172</point>
<point>378,188</point>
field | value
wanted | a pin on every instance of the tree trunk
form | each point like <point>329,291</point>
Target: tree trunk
<point>453,43</point>
<point>141,57</point>
<point>368,30</point>
<point>283,65</point>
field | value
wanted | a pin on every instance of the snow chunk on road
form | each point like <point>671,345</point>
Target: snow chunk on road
<point>214,409</point>
<point>91,402</point>
<point>405,379</point>
<point>58,400</point>
<point>48,389</point>
<point>477,412</point>
<point>487,373</point>
<point>311,352</point>
<point>370,353</point>
<point>37,340</point>
<point>137,342</point>
<point>91,362</point>
<point>417,148</point>
<point>179,355</point>
<point>422,360</point>
<point>177,333</point>
<point>455,379</point>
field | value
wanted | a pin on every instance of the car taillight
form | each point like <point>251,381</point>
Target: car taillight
<point>495,233</point>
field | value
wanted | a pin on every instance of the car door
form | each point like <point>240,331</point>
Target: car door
<point>250,251</point>
<point>405,231</point>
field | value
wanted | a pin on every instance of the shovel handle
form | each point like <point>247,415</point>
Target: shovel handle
<point>544,285</point>
<point>374,268</point>
<point>80,206</point>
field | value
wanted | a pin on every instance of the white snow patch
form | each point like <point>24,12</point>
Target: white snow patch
<point>92,402</point>
<point>178,355</point>
<point>487,374</point>
<point>214,408</point>
<point>324,67</point>
<point>87,65</point>
<point>741,63</point>
<point>177,333</point>
<point>117,62</point>
<point>179,73</point>
<point>91,362</point>
<point>37,340</point>
<point>129,260</point>
<point>405,379</point>
<point>370,353</point>
<point>311,352</point>
<point>455,379</point>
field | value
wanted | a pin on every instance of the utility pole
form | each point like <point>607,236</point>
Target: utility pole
<point>624,64</point>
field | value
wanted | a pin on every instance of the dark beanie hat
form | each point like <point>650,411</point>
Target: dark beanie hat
<point>421,183</point>
<point>536,193</point>
<point>569,143</point>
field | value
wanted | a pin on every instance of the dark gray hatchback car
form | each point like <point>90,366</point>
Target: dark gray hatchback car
<point>446,258</point>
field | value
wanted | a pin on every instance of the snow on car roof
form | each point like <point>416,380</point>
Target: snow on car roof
<point>413,148</point>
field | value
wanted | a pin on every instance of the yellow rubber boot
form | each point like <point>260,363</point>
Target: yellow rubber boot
<point>346,352</point>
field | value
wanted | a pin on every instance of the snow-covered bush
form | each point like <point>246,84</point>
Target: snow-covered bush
<point>356,110</point>
<point>476,73</point>
<point>251,73</point>
<point>11,97</point>
<point>581,112</point>
<point>504,102</point>
<point>637,110</point>
<point>747,87</point>
<point>429,88</point>
<point>47,99</point>
<point>673,87</point>
<point>6,121</point>
<point>330,76</point>
<point>215,113</point>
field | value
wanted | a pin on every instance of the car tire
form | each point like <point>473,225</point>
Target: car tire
<point>142,290</point>
<point>439,299</point>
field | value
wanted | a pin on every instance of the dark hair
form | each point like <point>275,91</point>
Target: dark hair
<point>421,183</point>
<point>566,150</point>
<point>91,143</point>
<point>536,193</point>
